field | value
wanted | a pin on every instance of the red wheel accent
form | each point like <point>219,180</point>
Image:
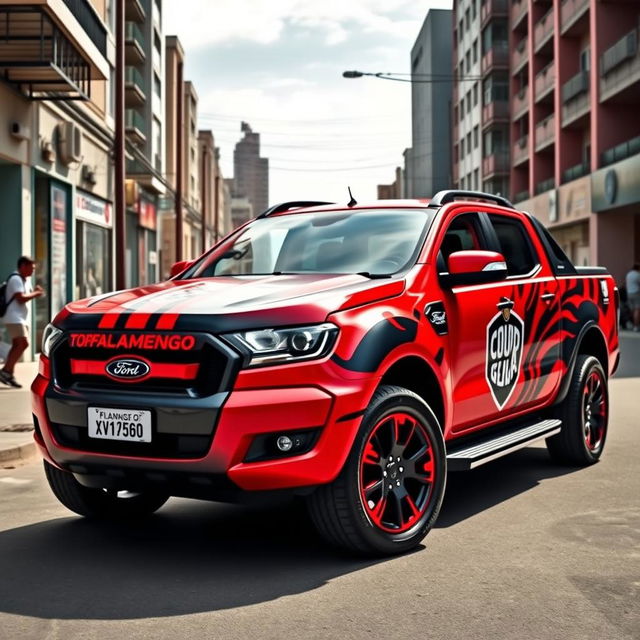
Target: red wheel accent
<point>594,411</point>
<point>397,473</point>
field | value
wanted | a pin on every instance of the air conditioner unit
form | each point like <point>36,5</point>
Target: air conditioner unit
<point>69,142</point>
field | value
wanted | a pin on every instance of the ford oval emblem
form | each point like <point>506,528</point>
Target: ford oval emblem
<point>127,368</point>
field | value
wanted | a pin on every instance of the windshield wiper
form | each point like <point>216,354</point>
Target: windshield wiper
<point>374,276</point>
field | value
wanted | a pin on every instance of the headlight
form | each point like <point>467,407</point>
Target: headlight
<point>274,346</point>
<point>49,338</point>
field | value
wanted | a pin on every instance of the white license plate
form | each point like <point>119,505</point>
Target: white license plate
<point>128,425</point>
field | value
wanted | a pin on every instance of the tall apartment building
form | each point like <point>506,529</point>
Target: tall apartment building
<point>56,141</point>
<point>144,118</point>
<point>180,136</point>
<point>216,218</point>
<point>251,172</point>
<point>575,92</point>
<point>480,96</point>
<point>431,106</point>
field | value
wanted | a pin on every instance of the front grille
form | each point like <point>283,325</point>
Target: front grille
<point>163,445</point>
<point>215,368</point>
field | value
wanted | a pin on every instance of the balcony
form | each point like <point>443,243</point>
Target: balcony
<point>575,172</point>
<point>52,50</point>
<point>543,30</point>
<point>134,45</point>
<point>521,195</point>
<point>520,104</point>
<point>545,133</point>
<point>521,151</point>
<point>519,9</point>
<point>570,12</point>
<point>495,112</point>
<point>545,185</point>
<point>545,82</point>
<point>620,66</point>
<point>495,164</point>
<point>621,152</point>
<point>495,58</point>
<point>575,98</point>
<point>134,11</point>
<point>134,126</point>
<point>493,9</point>
<point>520,55</point>
<point>134,95</point>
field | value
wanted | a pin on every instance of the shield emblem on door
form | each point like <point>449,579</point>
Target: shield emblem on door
<point>505,340</point>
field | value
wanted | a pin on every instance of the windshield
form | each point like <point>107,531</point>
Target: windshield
<point>372,242</point>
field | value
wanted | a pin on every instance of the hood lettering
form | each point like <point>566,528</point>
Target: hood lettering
<point>132,341</point>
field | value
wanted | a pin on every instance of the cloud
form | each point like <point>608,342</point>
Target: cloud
<point>263,21</point>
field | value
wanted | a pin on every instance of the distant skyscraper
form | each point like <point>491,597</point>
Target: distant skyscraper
<point>251,172</point>
<point>430,157</point>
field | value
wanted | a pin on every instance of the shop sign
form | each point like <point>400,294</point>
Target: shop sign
<point>94,210</point>
<point>147,214</point>
<point>58,249</point>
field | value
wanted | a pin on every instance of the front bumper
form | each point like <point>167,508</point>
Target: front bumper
<point>226,423</point>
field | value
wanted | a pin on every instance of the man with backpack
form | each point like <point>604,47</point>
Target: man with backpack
<point>17,294</point>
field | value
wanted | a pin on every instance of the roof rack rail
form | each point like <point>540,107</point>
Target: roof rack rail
<point>444,197</point>
<point>294,204</point>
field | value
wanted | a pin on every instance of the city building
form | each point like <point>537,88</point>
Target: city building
<point>250,171</point>
<point>480,95</point>
<point>575,132</point>
<point>56,141</point>
<point>431,106</point>
<point>395,190</point>
<point>144,117</point>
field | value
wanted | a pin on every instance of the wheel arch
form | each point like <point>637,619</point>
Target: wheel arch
<point>591,342</point>
<point>416,374</point>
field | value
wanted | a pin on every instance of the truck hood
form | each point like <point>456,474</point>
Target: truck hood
<point>227,303</point>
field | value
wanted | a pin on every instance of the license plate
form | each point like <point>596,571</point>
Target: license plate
<point>127,425</point>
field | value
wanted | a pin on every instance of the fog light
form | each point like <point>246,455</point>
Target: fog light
<point>284,443</point>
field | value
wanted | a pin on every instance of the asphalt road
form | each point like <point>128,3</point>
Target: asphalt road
<point>522,549</point>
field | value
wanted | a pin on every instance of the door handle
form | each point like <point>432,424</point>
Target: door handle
<point>548,297</point>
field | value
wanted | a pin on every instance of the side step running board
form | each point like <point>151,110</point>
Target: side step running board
<point>469,456</point>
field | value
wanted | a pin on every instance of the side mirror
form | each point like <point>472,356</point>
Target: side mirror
<point>474,267</point>
<point>179,267</point>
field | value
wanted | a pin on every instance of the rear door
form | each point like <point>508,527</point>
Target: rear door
<point>503,360</point>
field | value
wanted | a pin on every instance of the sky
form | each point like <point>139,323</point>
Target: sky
<point>277,64</point>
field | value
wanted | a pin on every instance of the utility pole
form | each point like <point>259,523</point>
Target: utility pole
<point>179,159</point>
<point>120,203</point>
<point>203,197</point>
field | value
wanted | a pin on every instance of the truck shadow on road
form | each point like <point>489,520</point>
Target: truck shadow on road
<point>195,557</point>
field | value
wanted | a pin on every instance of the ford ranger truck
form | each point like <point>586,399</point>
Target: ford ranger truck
<point>348,354</point>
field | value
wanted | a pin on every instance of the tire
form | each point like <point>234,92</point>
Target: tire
<point>584,414</point>
<point>389,492</point>
<point>99,503</point>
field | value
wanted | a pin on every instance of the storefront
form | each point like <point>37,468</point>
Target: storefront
<point>53,241</point>
<point>142,251</point>
<point>94,237</point>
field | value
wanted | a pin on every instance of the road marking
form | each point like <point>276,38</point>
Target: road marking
<point>14,481</point>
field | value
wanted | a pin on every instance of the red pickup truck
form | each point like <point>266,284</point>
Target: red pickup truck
<point>349,354</point>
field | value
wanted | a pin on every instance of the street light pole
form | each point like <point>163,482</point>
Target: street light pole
<point>119,178</point>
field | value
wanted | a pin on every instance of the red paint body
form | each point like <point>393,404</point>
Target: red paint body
<point>330,394</point>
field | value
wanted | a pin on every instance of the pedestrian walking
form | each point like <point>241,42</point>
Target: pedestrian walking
<point>632,282</point>
<point>16,318</point>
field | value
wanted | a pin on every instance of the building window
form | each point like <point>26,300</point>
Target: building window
<point>475,51</point>
<point>467,18</point>
<point>462,148</point>
<point>476,179</point>
<point>475,137</point>
<point>469,142</point>
<point>157,43</point>
<point>469,102</point>
<point>475,94</point>
<point>467,60</point>
<point>474,9</point>
<point>157,87</point>
<point>460,28</point>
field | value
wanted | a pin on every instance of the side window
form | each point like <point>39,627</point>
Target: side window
<point>463,233</point>
<point>515,245</point>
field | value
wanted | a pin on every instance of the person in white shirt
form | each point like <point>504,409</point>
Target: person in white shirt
<point>633,294</point>
<point>16,319</point>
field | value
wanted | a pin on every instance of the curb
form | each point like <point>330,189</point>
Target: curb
<point>21,452</point>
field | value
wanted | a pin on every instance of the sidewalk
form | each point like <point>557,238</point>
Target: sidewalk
<point>16,423</point>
